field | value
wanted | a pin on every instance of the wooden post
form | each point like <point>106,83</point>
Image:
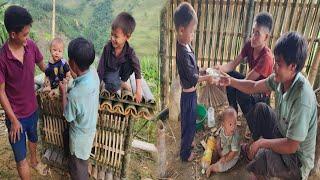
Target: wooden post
<point>127,144</point>
<point>162,156</point>
<point>53,18</point>
<point>314,67</point>
<point>248,26</point>
<point>164,63</point>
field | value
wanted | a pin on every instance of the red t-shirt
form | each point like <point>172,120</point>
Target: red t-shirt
<point>19,78</point>
<point>263,64</point>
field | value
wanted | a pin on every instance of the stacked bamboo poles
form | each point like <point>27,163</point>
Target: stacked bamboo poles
<point>224,26</point>
<point>123,102</point>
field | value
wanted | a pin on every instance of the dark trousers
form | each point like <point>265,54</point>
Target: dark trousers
<point>245,101</point>
<point>262,122</point>
<point>78,168</point>
<point>188,108</point>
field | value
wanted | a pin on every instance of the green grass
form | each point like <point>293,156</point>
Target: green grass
<point>145,38</point>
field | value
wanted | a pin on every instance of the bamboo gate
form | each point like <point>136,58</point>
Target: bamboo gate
<point>225,25</point>
<point>114,136</point>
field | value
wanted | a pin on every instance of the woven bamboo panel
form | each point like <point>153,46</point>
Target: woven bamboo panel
<point>110,146</point>
<point>225,25</point>
<point>2,115</point>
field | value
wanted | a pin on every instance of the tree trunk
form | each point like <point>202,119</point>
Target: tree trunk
<point>53,19</point>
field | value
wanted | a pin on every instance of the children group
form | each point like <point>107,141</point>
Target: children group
<point>283,138</point>
<point>18,57</point>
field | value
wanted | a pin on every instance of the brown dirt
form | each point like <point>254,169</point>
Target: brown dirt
<point>192,170</point>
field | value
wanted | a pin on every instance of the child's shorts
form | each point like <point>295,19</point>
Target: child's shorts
<point>29,125</point>
<point>223,167</point>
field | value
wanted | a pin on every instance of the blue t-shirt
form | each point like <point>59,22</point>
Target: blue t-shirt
<point>56,72</point>
<point>82,113</point>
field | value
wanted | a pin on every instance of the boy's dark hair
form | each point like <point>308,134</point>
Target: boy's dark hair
<point>183,15</point>
<point>16,18</point>
<point>125,22</point>
<point>293,48</point>
<point>264,19</point>
<point>81,51</point>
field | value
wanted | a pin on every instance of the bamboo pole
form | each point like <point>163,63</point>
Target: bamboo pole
<point>314,67</point>
<point>53,18</point>
<point>248,26</point>
<point>161,146</point>
<point>164,65</point>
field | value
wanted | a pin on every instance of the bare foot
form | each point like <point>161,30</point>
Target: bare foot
<point>211,169</point>
<point>193,144</point>
<point>192,156</point>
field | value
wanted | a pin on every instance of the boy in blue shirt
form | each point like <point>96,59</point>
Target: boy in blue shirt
<point>81,106</point>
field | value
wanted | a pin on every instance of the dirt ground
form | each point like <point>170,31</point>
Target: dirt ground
<point>142,165</point>
<point>192,170</point>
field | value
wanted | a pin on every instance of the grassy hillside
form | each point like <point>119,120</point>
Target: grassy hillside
<point>92,19</point>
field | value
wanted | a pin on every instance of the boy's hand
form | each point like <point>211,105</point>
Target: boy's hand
<point>138,96</point>
<point>63,86</point>
<point>225,79</point>
<point>223,159</point>
<point>15,131</point>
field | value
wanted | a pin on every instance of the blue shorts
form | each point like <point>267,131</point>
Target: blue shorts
<point>29,125</point>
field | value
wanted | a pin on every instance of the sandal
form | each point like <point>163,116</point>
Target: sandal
<point>42,169</point>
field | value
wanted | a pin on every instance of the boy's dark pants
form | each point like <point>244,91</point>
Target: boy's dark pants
<point>262,120</point>
<point>78,168</point>
<point>245,101</point>
<point>188,108</point>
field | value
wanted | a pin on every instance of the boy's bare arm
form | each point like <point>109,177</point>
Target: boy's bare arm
<point>63,91</point>
<point>42,66</point>
<point>231,65</point>
<point>68,75</point>
<point>252,75</point>
<point>138,91</point>
<point>246,86</point>
<point>16,127</point>
<point>229,156</point>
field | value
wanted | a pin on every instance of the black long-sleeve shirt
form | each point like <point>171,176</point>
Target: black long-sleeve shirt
<point>187,66</point>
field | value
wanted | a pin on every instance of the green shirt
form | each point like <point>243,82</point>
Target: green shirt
<point>82,113</point>
<point>229,143</point>
<point>296,111</point>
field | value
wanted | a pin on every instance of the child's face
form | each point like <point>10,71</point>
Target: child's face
<point>118,38</point>
<point>229,125</point>
<point>283,72</point>
<point>56,51</point>
<point>259,36</point>
<point>186,34</point>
